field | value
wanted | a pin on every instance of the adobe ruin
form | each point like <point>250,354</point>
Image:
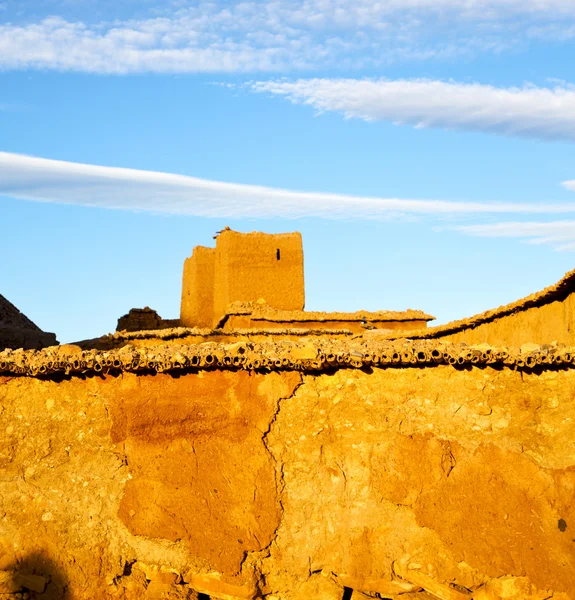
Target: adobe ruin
<point>297,462</point>
<point>256,281</point>
<point>242,267</point>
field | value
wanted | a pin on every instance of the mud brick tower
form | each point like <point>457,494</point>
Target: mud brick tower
<point>243,267</point>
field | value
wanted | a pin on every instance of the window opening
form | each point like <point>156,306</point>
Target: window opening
<point>278,254</point>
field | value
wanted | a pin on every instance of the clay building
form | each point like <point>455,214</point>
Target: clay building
<point>243,267</point>
<point>256,281</point>
<point>18,331</point>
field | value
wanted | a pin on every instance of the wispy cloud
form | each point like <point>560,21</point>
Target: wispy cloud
<point>526,111</point>
<point>46,180</point>
<point>272,35</point>
<point>559,234</point>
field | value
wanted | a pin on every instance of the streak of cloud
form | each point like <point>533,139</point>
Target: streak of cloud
<point>527,111</point>
<point>559,234</point>
<point>46,180</point>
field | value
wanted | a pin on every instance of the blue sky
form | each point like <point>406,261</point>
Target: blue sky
<point>424,148</point>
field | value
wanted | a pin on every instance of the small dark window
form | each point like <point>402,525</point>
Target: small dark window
<point>278,254</point>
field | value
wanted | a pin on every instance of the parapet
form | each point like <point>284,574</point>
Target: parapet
<point>259,315</point>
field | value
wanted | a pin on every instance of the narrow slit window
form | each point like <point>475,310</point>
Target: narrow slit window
<point>278,254</point>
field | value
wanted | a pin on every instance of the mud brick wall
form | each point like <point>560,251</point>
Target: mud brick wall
<point>552,321</point>
<point>197,307</point>
<point>445,475</point>
<point>548,315</point>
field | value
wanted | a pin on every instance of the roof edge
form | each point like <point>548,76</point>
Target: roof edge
<point>263,312</point>
<point>557,292</point>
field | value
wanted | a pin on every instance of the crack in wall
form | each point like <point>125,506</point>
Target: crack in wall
<point>279,482</point>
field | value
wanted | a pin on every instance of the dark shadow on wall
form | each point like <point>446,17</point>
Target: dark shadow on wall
<point>39,576</point>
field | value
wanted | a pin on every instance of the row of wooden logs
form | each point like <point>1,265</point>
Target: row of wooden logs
<point>304,355</point>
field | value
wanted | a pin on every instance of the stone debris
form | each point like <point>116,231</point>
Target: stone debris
<point>12,583</point>
<point>213,586</point>
<point>383,587</point>
<point>309,355</point>
<point>513,588</point>
<point>428,583</point>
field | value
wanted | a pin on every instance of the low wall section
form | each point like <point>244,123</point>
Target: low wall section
<point>141,473</point>
<point>541,318</point>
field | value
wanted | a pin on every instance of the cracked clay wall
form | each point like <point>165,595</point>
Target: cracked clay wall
<point>412,482</point>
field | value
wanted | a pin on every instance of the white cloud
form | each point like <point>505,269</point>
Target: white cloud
<point>155,45</point>
<point>270,35</point>
<point>527,111</point>
<point>45,180</point>
<point>559,234</point>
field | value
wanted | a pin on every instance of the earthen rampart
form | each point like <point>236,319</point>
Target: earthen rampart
<point>289,471</point>
<point>542,317</point>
